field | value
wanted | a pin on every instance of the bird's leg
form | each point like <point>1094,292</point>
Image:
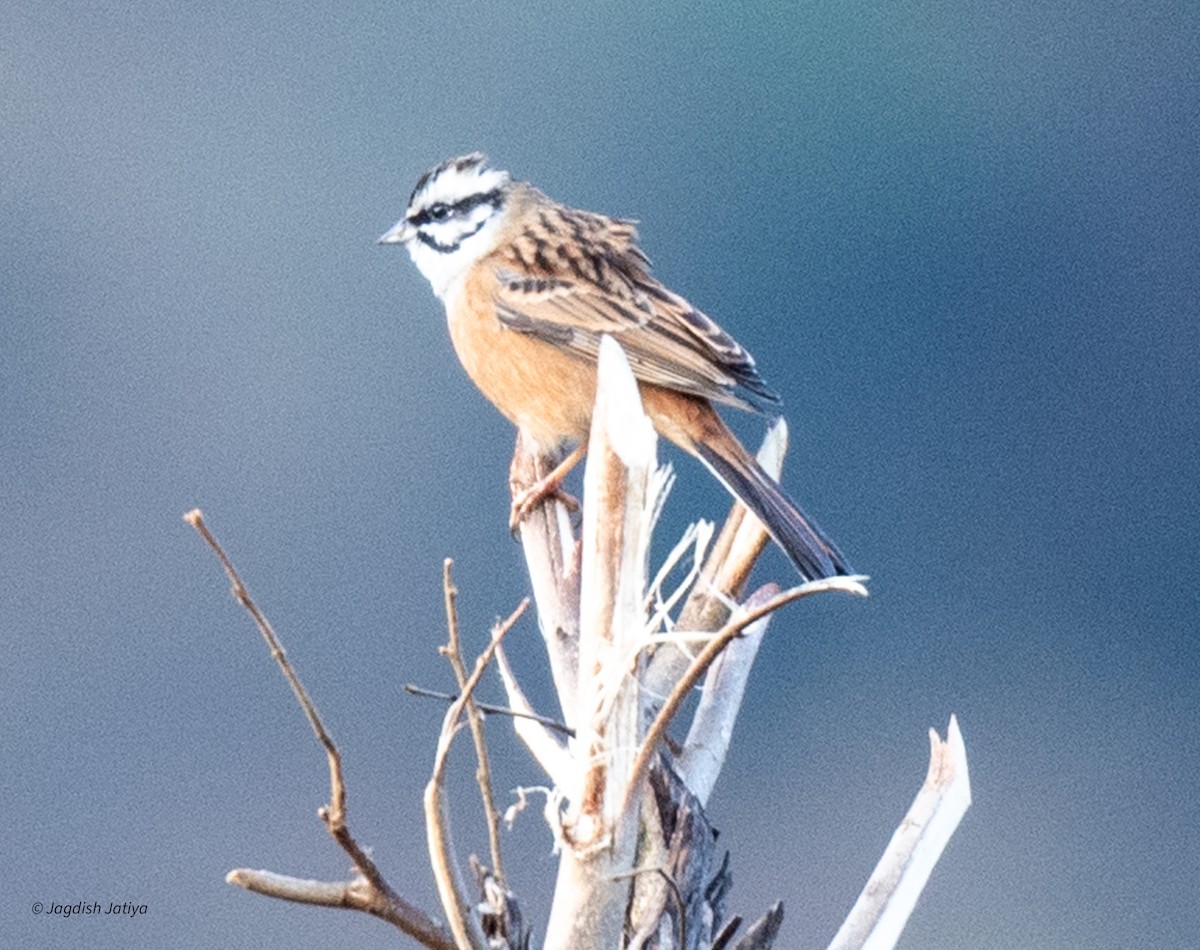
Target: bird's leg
<point>525,499</point>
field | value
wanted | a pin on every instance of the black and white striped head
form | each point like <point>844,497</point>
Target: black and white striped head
<point>453,218</point>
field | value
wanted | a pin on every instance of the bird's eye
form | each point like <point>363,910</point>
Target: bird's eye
<point>439,211</point>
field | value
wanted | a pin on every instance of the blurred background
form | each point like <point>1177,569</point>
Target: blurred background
<point>961,240</point>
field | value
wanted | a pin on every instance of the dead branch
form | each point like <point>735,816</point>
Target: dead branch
<point>590,897</point>
<point>369,892</point>
<point>703,754</point>
<point>762,933</point>
<point>491,709</point>
<point>639,868</point>
<point>883,908</point>
<point>533,730</point>
<point>463,920</point>
<point>483,774</point>
<point>704,659</point>
<point>552,556</point>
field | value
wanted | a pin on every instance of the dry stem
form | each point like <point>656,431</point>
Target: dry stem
<point>464,923</point>
<point>483,774</point>
<point>370,893</point>
<point>712,649</point>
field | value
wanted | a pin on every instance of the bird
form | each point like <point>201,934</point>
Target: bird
<point>530,286</point>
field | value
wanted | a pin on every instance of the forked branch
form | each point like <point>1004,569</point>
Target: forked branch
<point>464,921</point>
<point>369,891</point>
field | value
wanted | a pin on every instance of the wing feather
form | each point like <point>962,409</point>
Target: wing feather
<point>581,275</point>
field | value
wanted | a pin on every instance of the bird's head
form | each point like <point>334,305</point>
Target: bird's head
<point>453,218</point>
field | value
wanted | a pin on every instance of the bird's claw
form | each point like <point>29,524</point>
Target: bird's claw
<point>527,499</point>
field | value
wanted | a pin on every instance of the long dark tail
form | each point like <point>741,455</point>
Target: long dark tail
<point>814,555</point>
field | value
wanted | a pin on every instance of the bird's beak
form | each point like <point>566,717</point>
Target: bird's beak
<point>402,233</point>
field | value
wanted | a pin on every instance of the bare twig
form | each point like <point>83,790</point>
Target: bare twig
<point>463,921</point>
<point>337,798</point>
<point>359,894</point>
<point>297,890</point>
<point>491,709</point>
<point>371,892</point>
<point>483,774</point>
<point>712,649</point>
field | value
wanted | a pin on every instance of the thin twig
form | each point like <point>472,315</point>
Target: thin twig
<point>491,709</point>
<point>464,923</point>
<point>337,795</point>
<point>294,889</point>
<point>380,900</point>
<point>358,894</point>
<point>483,774</point>
<point>712,649</point>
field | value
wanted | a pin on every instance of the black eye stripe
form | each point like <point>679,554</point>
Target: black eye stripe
<point>494,197</point>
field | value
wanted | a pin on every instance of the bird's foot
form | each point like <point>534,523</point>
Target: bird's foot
<point>549,486</point>
<point>526,500</point>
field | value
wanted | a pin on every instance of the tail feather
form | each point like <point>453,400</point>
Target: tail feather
<point>814,555</point>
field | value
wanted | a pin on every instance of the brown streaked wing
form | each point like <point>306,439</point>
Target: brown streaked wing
<point>570,292</point>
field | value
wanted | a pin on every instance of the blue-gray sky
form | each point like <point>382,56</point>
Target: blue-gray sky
<point>961,239</point>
